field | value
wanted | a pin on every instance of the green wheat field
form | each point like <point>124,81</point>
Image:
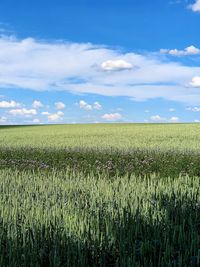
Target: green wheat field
<point>106,195</point>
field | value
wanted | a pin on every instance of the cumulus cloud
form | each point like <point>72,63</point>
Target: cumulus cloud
<point>195,82</point>
<point>116,65</point>
<point>112,116</point>
<point>157,118</point>
<point>3,120</point>
<point>194,109</point>
<point>196,6</point>
<point>59,105</point>
<point>56,116</point>
<point>174,119</point>
<point>9,104</point>
<point>60,113</point>
<point>97,105</point>
<point>36,65</point>
<point>188,51</point>
<point>172,110</point>
<point>46,113</point>
<point>84,105</point>
<point>22,112</point>
<point>36,121</point>
<point>37,104</point>
<point>53,116</point>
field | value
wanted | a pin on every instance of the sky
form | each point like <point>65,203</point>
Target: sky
<point>86,61</point>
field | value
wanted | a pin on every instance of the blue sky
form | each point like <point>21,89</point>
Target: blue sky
<point>99,61</point>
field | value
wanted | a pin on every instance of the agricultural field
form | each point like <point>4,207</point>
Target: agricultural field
<point>105,195</point>
<point>104,136</point>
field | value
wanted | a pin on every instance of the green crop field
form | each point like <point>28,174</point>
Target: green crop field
<point>119,136</point>
<point>105,195</point>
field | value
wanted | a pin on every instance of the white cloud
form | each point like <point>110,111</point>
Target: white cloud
<point>188,51</point>
<point>112,116</point>
<point>22,112</point>
<point>53,117</point>
<point>46,113</point>
<point>196,120</point>
<point>9,104</point>
<point>174,119</point>
<point>60,113</point>
<point>97,105</point>
<point>192,50</point>
<point>172,110</point>
<point>157,118</point>
<point>59,105</point>
<point>196,6</point>
<point>56,116</point>
<point>195,82</point>
<point>116,65</point>
<point>36,65</point>
<point>36,121</point>
<point>3,120</point>
<point>37,104</point>
<point>84,105</point>
<point>194,109</point>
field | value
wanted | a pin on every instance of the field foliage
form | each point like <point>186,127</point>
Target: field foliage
<point>104,136</point>
<point>112,195</point>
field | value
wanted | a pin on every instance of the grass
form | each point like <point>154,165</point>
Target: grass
<point>100,195</point>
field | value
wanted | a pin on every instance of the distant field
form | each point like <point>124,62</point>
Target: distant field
<point>119,136</point>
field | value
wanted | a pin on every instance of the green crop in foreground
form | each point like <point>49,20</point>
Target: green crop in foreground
<point>71,219</point>
<point>100,195</point>
<point>120,136</point>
